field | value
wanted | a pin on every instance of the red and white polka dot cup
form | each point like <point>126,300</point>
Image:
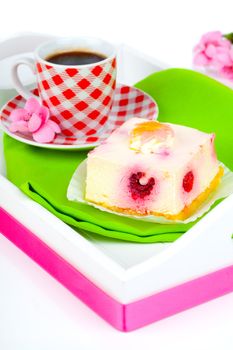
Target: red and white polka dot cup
<point>79,97</point>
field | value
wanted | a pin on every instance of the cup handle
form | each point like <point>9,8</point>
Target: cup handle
<point>15,76</point>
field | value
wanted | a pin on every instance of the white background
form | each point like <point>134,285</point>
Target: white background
<point>35,311</point>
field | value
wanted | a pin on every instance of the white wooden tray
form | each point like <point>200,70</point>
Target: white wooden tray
<point>125,271</point>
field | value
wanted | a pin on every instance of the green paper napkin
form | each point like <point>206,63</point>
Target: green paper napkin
<point>184,97</point>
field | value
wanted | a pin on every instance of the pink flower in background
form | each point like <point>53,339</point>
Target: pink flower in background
<point>34,118</point>
<point>212,50</point>
<point>223,57</point>
<point>226,70</point>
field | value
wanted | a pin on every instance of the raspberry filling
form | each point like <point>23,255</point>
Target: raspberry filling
<point>188,181</point>
<point>138,189</point>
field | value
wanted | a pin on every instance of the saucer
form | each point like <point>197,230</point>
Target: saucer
<point>128,102</point>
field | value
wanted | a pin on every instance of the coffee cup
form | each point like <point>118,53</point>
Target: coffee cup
<point>76,79</point>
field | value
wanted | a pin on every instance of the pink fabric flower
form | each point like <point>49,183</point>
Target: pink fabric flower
<point>34,118</point>
<point>226,70</point>
<point>212,50</point>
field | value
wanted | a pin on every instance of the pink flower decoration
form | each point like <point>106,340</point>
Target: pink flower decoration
<point>34,118</point>
<point>226,71</point>
<point>212,50</point>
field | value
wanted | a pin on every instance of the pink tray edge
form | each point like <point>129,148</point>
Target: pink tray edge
<point>124,317</point>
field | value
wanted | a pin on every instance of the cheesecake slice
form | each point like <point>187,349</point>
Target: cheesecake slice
<point>151,168</point>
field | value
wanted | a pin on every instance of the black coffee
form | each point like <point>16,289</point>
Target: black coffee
<point>73,58</point>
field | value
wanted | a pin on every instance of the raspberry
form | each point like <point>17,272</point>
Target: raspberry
<point>188,181</point>
<point>138,190</point>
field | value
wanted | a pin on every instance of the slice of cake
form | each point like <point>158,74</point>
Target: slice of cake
<point>151,168</point>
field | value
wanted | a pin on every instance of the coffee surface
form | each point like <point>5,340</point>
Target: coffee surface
<point>73,58</point>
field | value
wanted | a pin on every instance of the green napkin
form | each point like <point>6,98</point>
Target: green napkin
<point>184,97</point>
